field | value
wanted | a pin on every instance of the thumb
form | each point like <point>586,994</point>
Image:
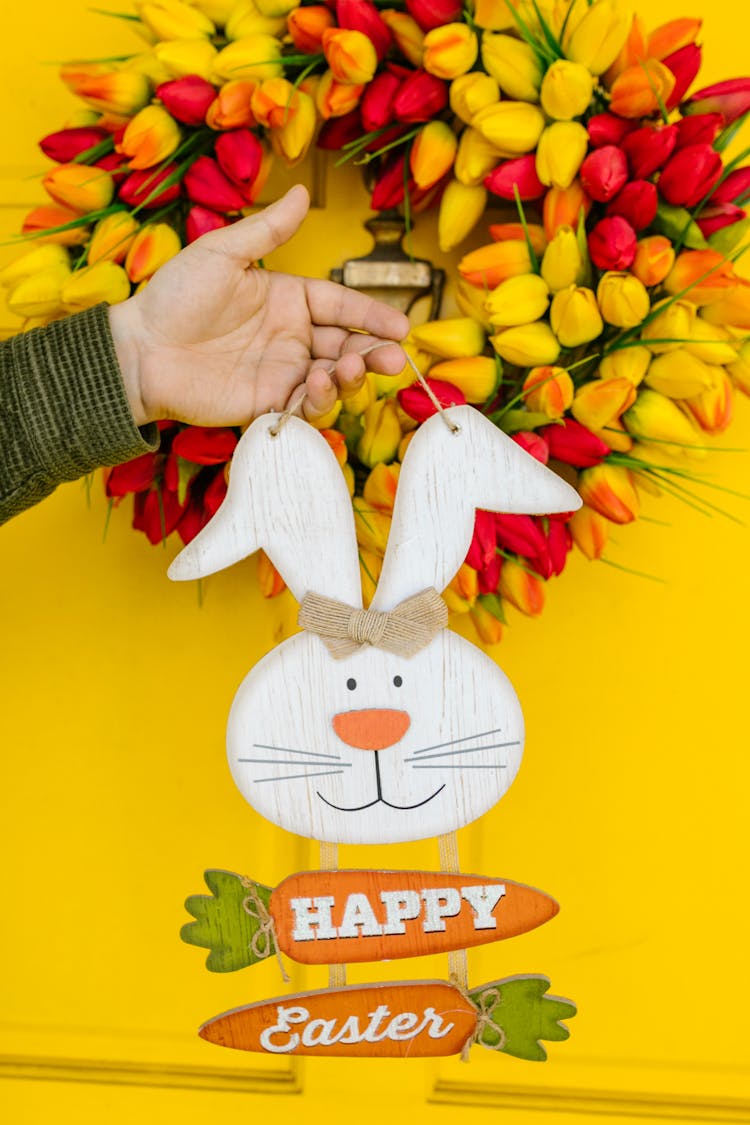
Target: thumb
<point>259,234</point>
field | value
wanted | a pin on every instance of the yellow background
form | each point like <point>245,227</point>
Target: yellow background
<point>631,806</point>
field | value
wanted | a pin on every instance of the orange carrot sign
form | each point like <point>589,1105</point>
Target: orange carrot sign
<point>401,1020</point>
<point>325,917</point>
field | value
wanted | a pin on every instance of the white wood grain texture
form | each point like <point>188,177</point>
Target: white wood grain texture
<point>286,494</point>
<point>445,477</point>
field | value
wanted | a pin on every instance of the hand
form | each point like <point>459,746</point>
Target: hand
<point>213,340</point>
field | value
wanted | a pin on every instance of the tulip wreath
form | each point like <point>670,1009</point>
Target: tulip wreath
<point>604,327</point>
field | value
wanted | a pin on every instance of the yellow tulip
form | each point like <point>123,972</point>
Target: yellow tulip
<point>529,345</point>
<point>477,376</point>
<point>673,324</point>
<point>489,628</point>
<point>253,56</point>
<point>470,301</point>
<point>521,588</point>
<point>432,153</point>
<point>590,531</point>
<point>471,92</point>
<point>382,433</point>
<point>350,55</point>
<point>335,99</point>
<point>245,19</point>
<point>625,363</point>
<point>371,525</point>
<point>181,57</point>
<point>390,384</point>
<point>513,127</point>
<point>548,390</point>
<point>461,208</point>
<point>514,64</point>
<point>150,137</point>
<point>357,402</point>
<point>150,65</point>
<point>495,15</point>
<point>678,374</point>
<point>328,420</point>
<point>563,264</point>
<point>566,91</point>
<point>370,566</point>
<point>599,403</point>
<point>654,417</point>
<point>575,317</point>
<point>291,141</point>
<point>560,153</point>
<point>79,186</point>
<point>610,490</point>
<point>41,293</point>
<point>461,592</point>
<point>34,261</point>
<point>519,300</point>
<point>218,11</point>
<point>596,40</point>
<point>171,19</point>
<point>739,369</point>
<point>475,158</point>
<point>407,33</point>
<point>449,50</point>
<point>118,92</point>
<point>105,281</point>
<point>712,409</point>
<point>276,7</point>
<point>623,299</point>
<point>732,309</point>
<point>711,342</point>
<point>112,237</point>
<point>452,338</point>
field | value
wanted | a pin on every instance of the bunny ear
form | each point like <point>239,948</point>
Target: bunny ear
<point>286,494</point>
<point>445,477</point>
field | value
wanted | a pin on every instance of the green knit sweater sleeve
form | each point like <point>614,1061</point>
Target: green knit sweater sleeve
<point>63,409</point>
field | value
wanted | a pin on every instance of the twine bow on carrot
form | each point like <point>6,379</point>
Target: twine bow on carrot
<point>403,631</point>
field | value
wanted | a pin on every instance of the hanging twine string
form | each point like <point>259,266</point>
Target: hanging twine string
<point>295,405</point>
<point>458,962</point>
<point>403,630</point>
<point>329,861</point>
<point>264,941</point>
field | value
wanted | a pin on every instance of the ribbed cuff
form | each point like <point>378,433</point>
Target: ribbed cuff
<point>72,400</point>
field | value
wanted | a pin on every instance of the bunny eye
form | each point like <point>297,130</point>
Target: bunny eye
<point>397,681</point>
<point>351,684</point>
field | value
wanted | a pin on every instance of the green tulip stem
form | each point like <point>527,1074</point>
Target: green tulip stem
<point>522,216</point>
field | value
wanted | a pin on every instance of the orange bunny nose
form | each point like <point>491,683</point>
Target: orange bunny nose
<point>372,729</point>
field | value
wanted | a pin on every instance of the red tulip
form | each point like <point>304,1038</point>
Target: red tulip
<point>396,130</point>
<point>362,15</point>
<point>157,513</point>
<point>534,444</point>
<point>193,519</point>
<point>604,172</point>
<point>206,183</point>
<point>67,144</point>
<point>520,535</point>
<point>187,99</point>
<point>132,476</point>
<point>338,131</point>
<point>116,164</point>
<point>205,445</point>
<point>415,401</point>
<point>559,543</point>
<point>735,188</point>
<point>484,541</point>
<point>637,202</point>
<point>519,173</point>
<point>434,13</point>
<point>612,244</point>
<point>608,129</point>
<point>240,155</point>
<point>489,576</point>
<point>377,102</point>
<point>689,175</point>
<point>215,492</point>
<point>200,220</point>
<point>717,216</point>
<point>730,98</point>
<point>142,189</point>
<point>421,97</point>
<point>685,65</point>
<point>648,148</point>
<point>702,128</point>
<point>389,189</point>
<point>574,444</point>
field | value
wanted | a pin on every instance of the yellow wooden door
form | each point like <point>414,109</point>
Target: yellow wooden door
<point>631,806</point>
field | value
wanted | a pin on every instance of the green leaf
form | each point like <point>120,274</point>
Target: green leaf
<point>186,471</point>
<point>494,606</point>
<point>511,421</point>
<point>677,224</point>
<point>726,239</point>
<point>224,926</point>
<point>515,1015</point>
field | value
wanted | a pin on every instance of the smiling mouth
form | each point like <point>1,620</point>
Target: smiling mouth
<point>380,801</point>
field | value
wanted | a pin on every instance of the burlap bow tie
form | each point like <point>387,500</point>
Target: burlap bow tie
<point>404,630</point>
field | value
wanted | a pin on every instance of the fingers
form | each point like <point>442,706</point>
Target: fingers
<point>332,304</point>
<point>327,382</point>
<point>259,234</point>
<point>382,355</point>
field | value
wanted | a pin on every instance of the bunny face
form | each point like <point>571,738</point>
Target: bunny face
<point>374,748</point>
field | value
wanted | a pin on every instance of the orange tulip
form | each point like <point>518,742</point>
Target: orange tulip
<point>232,108</point>
<point>48,219</point>
<point>350,55</point>
<point>712,409</point>
<point>150,137</point>
<point>562,207</point>
<point>640,89</point>
<point>79,186</point>
<point>337,444</point>
<point>703,276</point>
<point>521,588</point>
<point>270,582</point>
<point>600,403</point>
<point>733,308</point>
<point>154,245</point>
<point>306,27</point>
<point>489,265</point>
<point>334,99</point>
<point>432,153</point>
<point>112,237</point>
<point>610,490</point>
<point>654,258</point>
<point>673,36</point>
<point>274,102</point>
<point>407,33</point>
<point>516,231</point>
<point>488,627</point>
<point>119,92</point>
<point>590,531</point>
<point>461,593</point>
<point>380,486</point>
<point>548,390</point>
